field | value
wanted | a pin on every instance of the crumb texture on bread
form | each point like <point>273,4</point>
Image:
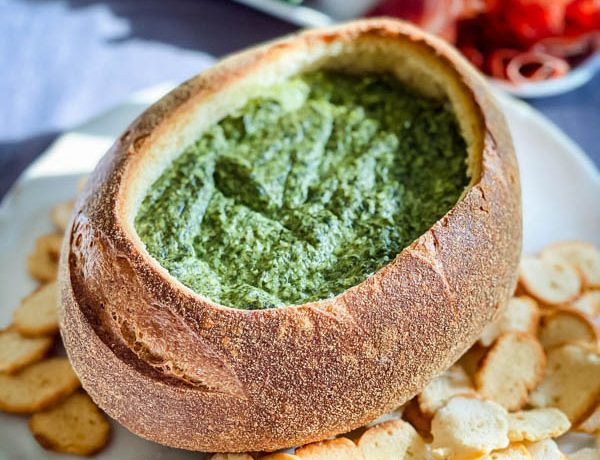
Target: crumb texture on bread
<point>201,376</point>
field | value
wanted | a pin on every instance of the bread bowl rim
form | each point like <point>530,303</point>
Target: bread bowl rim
<point>128,206</point>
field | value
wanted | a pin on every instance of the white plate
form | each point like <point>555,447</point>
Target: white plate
<point>561,199</point>
<point>312,13</point>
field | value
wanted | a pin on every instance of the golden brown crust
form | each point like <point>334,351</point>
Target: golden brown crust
<point>178,369</point>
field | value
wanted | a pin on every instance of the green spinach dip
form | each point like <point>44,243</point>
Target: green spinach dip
<point>305,191</point>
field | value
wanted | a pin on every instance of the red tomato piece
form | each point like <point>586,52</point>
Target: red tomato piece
<point>533,21</point>
<point>583,15</point>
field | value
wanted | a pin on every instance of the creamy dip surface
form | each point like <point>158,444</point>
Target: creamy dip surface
<point>305,191</point>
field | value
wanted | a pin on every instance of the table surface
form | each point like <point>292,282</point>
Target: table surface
<point>64,61</point>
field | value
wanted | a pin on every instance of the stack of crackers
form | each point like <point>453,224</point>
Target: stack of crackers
<point>34,379</point>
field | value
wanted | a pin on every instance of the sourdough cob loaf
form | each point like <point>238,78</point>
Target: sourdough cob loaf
<point>178,369</point>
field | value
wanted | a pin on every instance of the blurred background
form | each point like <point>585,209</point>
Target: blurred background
<point>63,62</point>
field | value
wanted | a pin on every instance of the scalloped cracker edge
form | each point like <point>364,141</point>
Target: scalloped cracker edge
<point>468,428</point>
<point>571,382</point>
<point>550,282</point>
<point>537,424</point>
<point>513,366</point>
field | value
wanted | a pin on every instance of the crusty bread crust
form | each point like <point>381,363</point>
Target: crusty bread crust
<point>178,369</point>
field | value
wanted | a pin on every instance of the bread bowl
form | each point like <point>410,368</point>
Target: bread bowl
<point>176,367</point>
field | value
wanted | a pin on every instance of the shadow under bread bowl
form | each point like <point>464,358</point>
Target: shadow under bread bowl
<point>179,369</point>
